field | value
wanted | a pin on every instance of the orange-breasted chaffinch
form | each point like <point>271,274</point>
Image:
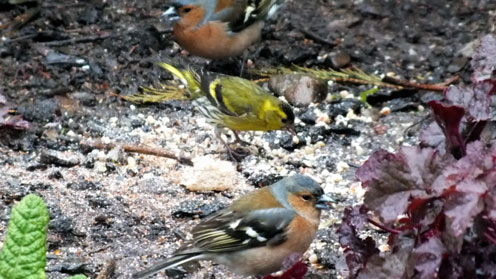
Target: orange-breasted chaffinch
<point>258,231</point>
<point>217,29</point>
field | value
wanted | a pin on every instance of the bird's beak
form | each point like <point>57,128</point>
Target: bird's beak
<point>323,202</point>
<point>170,15</point>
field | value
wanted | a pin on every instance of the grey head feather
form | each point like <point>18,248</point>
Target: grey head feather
<point>208,5</point>
<point>294,184</point>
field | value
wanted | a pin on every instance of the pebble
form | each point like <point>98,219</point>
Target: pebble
<point>385,111</point>
<point>299,90</point>
<point>150,120</point>
<point>339,59</point>
<point>116,154</point>
<point>313,258</point>
<point>131,162</point>
<point>100,166</point>
<point>62,159</point>
<point>342,166</point>
<point>71,134</point>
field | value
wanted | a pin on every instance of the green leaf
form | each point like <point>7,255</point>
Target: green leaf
<point>23,254</point>
<point>365,94</point>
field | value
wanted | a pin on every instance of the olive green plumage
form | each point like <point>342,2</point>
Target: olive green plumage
<point>233,102</point>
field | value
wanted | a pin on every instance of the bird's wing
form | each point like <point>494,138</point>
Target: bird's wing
<point>227,231</point>
<point>209,6</point>
<point>255,10</point>
<point>229,11</point>
<point>233,96</point>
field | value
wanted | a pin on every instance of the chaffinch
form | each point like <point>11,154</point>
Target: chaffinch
<point>217,29</point>
<point>258,231</point>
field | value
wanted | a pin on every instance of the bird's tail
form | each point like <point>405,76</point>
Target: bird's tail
<point>267,8</point>
<point>168,264</point>
<point>189,78</point>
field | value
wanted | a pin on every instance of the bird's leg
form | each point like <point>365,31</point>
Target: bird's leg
<point>238,139</point>
<point>233,154</point>
<point>243,62</point>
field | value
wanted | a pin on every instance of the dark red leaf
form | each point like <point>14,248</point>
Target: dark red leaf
<point>296,271</point>
<point>425,212</point>
<point>449,118</point>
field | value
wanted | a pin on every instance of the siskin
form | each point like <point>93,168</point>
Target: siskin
<point>234,103</point>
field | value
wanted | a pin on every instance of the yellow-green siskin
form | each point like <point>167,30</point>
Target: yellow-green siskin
<point>233,102</point>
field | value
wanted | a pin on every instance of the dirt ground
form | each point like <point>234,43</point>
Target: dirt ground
<point>113,212</point>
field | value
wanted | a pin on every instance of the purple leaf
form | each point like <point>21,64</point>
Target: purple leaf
<point>469,167</point>
<point>475,98</point>
<point>428,257</point>
<point>433,137</point>
<point>393,179</point>
<point>464,187</point>
<point>357,250</point>
<point>461,208</point>
<point>15,122</point>
<point>484,60</point>
<point>391,265</point>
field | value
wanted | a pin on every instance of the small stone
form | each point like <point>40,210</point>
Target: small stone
<point>55,175</point>
<point>299,90</point>
<point>339,59</point>
<point>116,154</point>
<point>71,134</point>
<point>83,185</point>
<point>313,259</point>
<point>100,166</point>
<point>85,98</point>
<point>359,150</point>
<point>308,117</point>
<point>62,159</point>
<point>385,111</point>
<point>40,110</point>
<point>457,64</point>
<point>131,162</point>
<point>342,166</point>
<point>150,120</point>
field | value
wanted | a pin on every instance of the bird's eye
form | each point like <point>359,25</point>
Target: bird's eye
<point>187,10</point>
<point>306,197</point>
<point>284,120</point>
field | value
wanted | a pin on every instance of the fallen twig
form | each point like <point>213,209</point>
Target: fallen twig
<point>382,227</point>
<point>431,87</point>
<point>20,21</point>
<point>86,39</point>
<point>138,149</point>
<point>317,38</point>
